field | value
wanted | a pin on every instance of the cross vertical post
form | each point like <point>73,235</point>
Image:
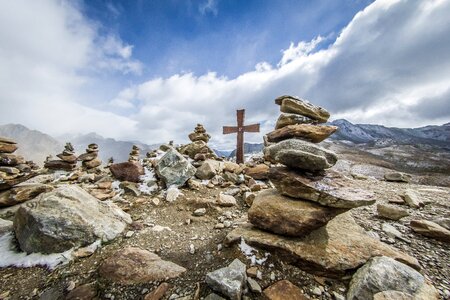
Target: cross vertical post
<point>240,129</point>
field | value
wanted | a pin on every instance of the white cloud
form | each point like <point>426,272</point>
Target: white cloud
<point>301,50</point>
<point>209,6</point>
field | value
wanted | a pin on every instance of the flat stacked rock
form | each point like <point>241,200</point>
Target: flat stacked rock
<point>134,154</point>
<point>300,216</point>
<point>67,160</point>
<point>13,168</point>
<point>198,149</point>
<point>90,159</point>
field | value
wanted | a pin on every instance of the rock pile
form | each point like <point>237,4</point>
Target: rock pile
<point>198,149</point>
<point>67,160</point>
<point>134,154</point>
<point>13,168</point>
<point>90,159</point>
<point>305,216</point>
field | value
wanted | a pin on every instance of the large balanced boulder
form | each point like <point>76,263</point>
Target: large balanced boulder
<point>174,169</point>
<point>134,265</point>
<point>65,218</point>
<point>286,216</point>
<point>331,189</point>
<point>127,171</point>
<point>333,250</point>
<point>382,274</point>
<point>308,132</point>
<point>299,154</point>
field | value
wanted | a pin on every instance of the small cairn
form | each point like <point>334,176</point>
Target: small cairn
<point>90,159</point>
<point>134,154</point>
<point>13,168</point>
<point>198,150</point>
<point>67,160</point>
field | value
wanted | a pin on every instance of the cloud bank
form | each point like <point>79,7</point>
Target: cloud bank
<point>390,65</point>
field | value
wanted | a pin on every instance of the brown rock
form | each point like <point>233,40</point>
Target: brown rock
<point>391,212</point>
<point>292,119</point>
<point>312,133</point>
<point>24,193</point>
<point>88,156</point>
<point>331,189</point>
<point>104,185</point>
<point>134,265</point>
<point>302,107</point>
<point>282,215</point>
<point>283,290</point>
<point>127,171</point>
<point>102,194</point>
<point>159,292</point>
<point>7,147</point>
<point>226,200</point>
<point>59,165</point>
<point>333,250</point>
<point>67,158</point>
<point>7,159</point>
<point>7,140</point>
<point>90,164</point>
<point>7,184</point>
<point>430,229</point>
<point>258,172</point>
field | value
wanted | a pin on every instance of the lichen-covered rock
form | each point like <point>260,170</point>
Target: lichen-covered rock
<point>64,218</point>
<point>174,169</point>
<point>229,281</point>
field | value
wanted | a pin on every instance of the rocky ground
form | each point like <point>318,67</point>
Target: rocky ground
<point>171,231</point>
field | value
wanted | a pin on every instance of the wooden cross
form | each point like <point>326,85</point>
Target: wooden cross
<point>240,129</point>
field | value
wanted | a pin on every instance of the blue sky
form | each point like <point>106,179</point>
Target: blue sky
<point>152,70</point>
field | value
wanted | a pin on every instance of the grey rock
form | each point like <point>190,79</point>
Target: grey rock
<point>64,218</point>
<point>290,104</point>
<point>226,200</point>
<point>391,212</point>
<point>392,295</point>
<point>199,212</point>
<point>174,169</point>
<point>391,231</point>
<point>444,222</point>
<point>412,199</point>
<point>397,177</point>
<point>207,170</point>
<point>229,281</point>
<point>254,286</point>
<point>382,273</point>
<point>214,296</point>
<point>301,154</point>
<point>5,226</point>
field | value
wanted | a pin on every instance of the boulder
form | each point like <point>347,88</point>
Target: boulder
<point>127,171</point>
<point>391,212</point>
<point>333,250</point>
<point>283,290</point>
<point>331,189</point>
<point>208,169</point>
<point>397,177</point>
<point>226,200</point>
<point>133,265</point>
<point>300,154</point>
<point>279,214</point>
<point>292,119</point>
<point>430,229</point>
<point>22,193</point>
<point>7,147</point>
<point>412,199</point>
<point>64,218</point>
<point>258,172</point>
<point>383,273</point>
<point>302,107</point>
<point>229,281</point>
<point>174,169</point>
<point>308,132</point>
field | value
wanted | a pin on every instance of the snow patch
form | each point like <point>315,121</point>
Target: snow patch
<point>251,252</point>
<point>149,182</point>
<point>115,185</point>
<point>159,228</point>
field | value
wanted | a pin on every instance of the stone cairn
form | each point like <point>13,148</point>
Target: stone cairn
<point>134,154</point>
<point>303,179</point>
<point>90,159</point>
<point>13,168</point>
<point>67,160</point>
<point>198,150</point>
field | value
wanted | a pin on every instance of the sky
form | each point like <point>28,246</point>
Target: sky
<point>151,70</point>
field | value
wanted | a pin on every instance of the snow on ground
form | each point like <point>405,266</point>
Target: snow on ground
<point>148,183</point>
<point>251,252</point>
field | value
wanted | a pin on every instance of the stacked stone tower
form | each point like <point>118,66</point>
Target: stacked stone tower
<point>90,159</point>
<point>198,149</point>
<point>67,160</point>
<point>13,168</point>
<point>134,154</point>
